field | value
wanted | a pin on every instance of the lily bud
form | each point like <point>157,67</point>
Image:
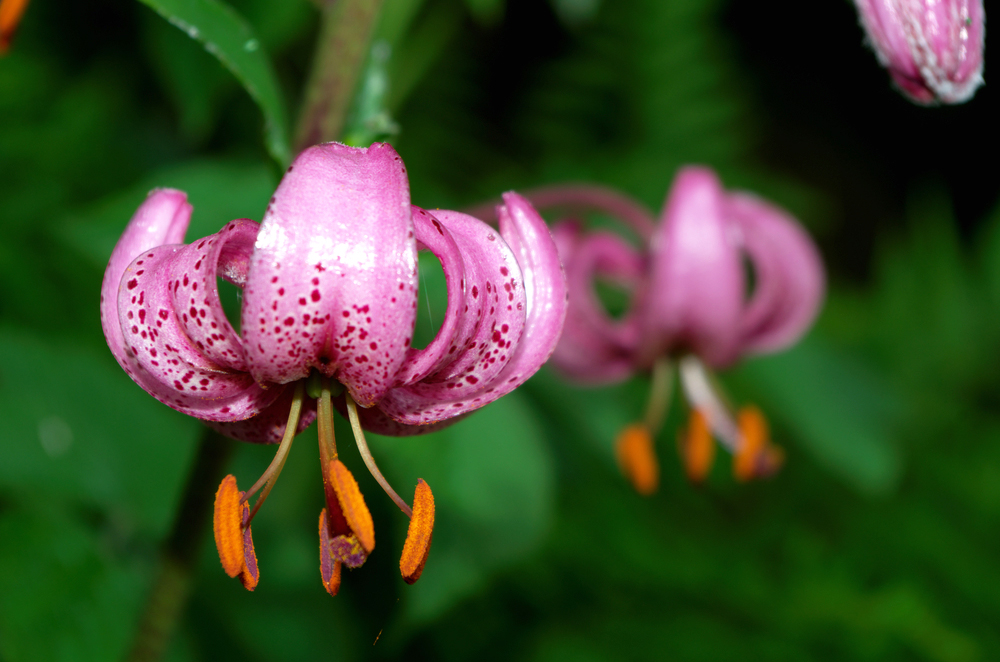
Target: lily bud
<point>933,49</point>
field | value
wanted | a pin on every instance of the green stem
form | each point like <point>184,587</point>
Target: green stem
<point>345,32</point>
<point>169,594</point>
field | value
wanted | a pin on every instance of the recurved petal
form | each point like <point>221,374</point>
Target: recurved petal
<point>333,280</point>
<point>538,278</point>
<point>695,292</point>
<point>268,427</point>
<point>194,292</point>
<point>594,347</point>
<point>161,357</point>
<point>545,287</point>
<point>161,219</point>
<point>486,325</point>
<point>433,236</point>
<point>788,271</point>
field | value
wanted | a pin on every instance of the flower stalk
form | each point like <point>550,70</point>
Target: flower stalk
<point>346,29</point>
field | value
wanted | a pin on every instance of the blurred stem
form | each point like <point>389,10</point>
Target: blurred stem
<point>345,32</point>
<point>168,596</point>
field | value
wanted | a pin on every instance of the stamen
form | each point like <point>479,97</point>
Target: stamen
<point>352,504</point>
<point>418,535</point>
<point>270,475</point>
<point>329,567</point>
<point>10,15</point>
<point>637,458</point>
<point>659,395</point>
<point>233,538</point>
<point>697,447</point>
<point>366,455</point>
<point>756,456</point>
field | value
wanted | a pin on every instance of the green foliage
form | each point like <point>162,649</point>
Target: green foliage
<point>227,36</point>
<point>877,540</point>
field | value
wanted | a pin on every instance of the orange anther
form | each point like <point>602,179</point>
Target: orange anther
<point>637,458</point>
<point>756,456</point>
<point>697,447</point>
<point>10,15</point>
<point>232,534</point>
<point>418,535</point>
<point>352,503</point>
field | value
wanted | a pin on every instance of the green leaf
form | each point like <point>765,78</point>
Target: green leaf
<point>493,482</point>
<point>68,594</point>
<point>227,36</point>
<point>834,406</point>
<point>219,191</point>
<point>76,426</point>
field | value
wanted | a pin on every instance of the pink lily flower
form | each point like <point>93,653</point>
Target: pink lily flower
<point>689,308</point>
<point>933,49</point>
<point>329,282</point>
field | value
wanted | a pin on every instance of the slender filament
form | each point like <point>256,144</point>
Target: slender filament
<point>270,475</point>
<point>366,455</point>
<point>659,395</point>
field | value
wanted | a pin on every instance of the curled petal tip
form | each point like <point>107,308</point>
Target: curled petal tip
<point>933,49</point>
<point>418,535</point>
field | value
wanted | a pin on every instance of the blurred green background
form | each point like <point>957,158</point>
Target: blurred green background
<point>878,540</point>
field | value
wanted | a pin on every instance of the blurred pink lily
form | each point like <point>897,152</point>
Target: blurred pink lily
<point>689,308</point>
<point>329,283</point>
<point>933,49</point>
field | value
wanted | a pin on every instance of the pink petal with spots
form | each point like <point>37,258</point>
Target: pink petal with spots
<point>696,286</point>
<point>487,325</point>
<point>165,361</point>
<point>333,277</point>
<point>788,270</point>
<point>377,421</point>
<point>594,347</point>
<point>537,291</point>
<point>268,427</point>
<point>433,236</point>
<point>161,219</point>
<point>194,291</point>
<point>545,289</point>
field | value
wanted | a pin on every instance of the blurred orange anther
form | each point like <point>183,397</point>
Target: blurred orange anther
<point>697,447</point>
<point>10,15</point>
<point>352,504</point>
<point>232,534</point>
<point>637,458</point>
<point>418,535</point>
<point>756,456</point>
